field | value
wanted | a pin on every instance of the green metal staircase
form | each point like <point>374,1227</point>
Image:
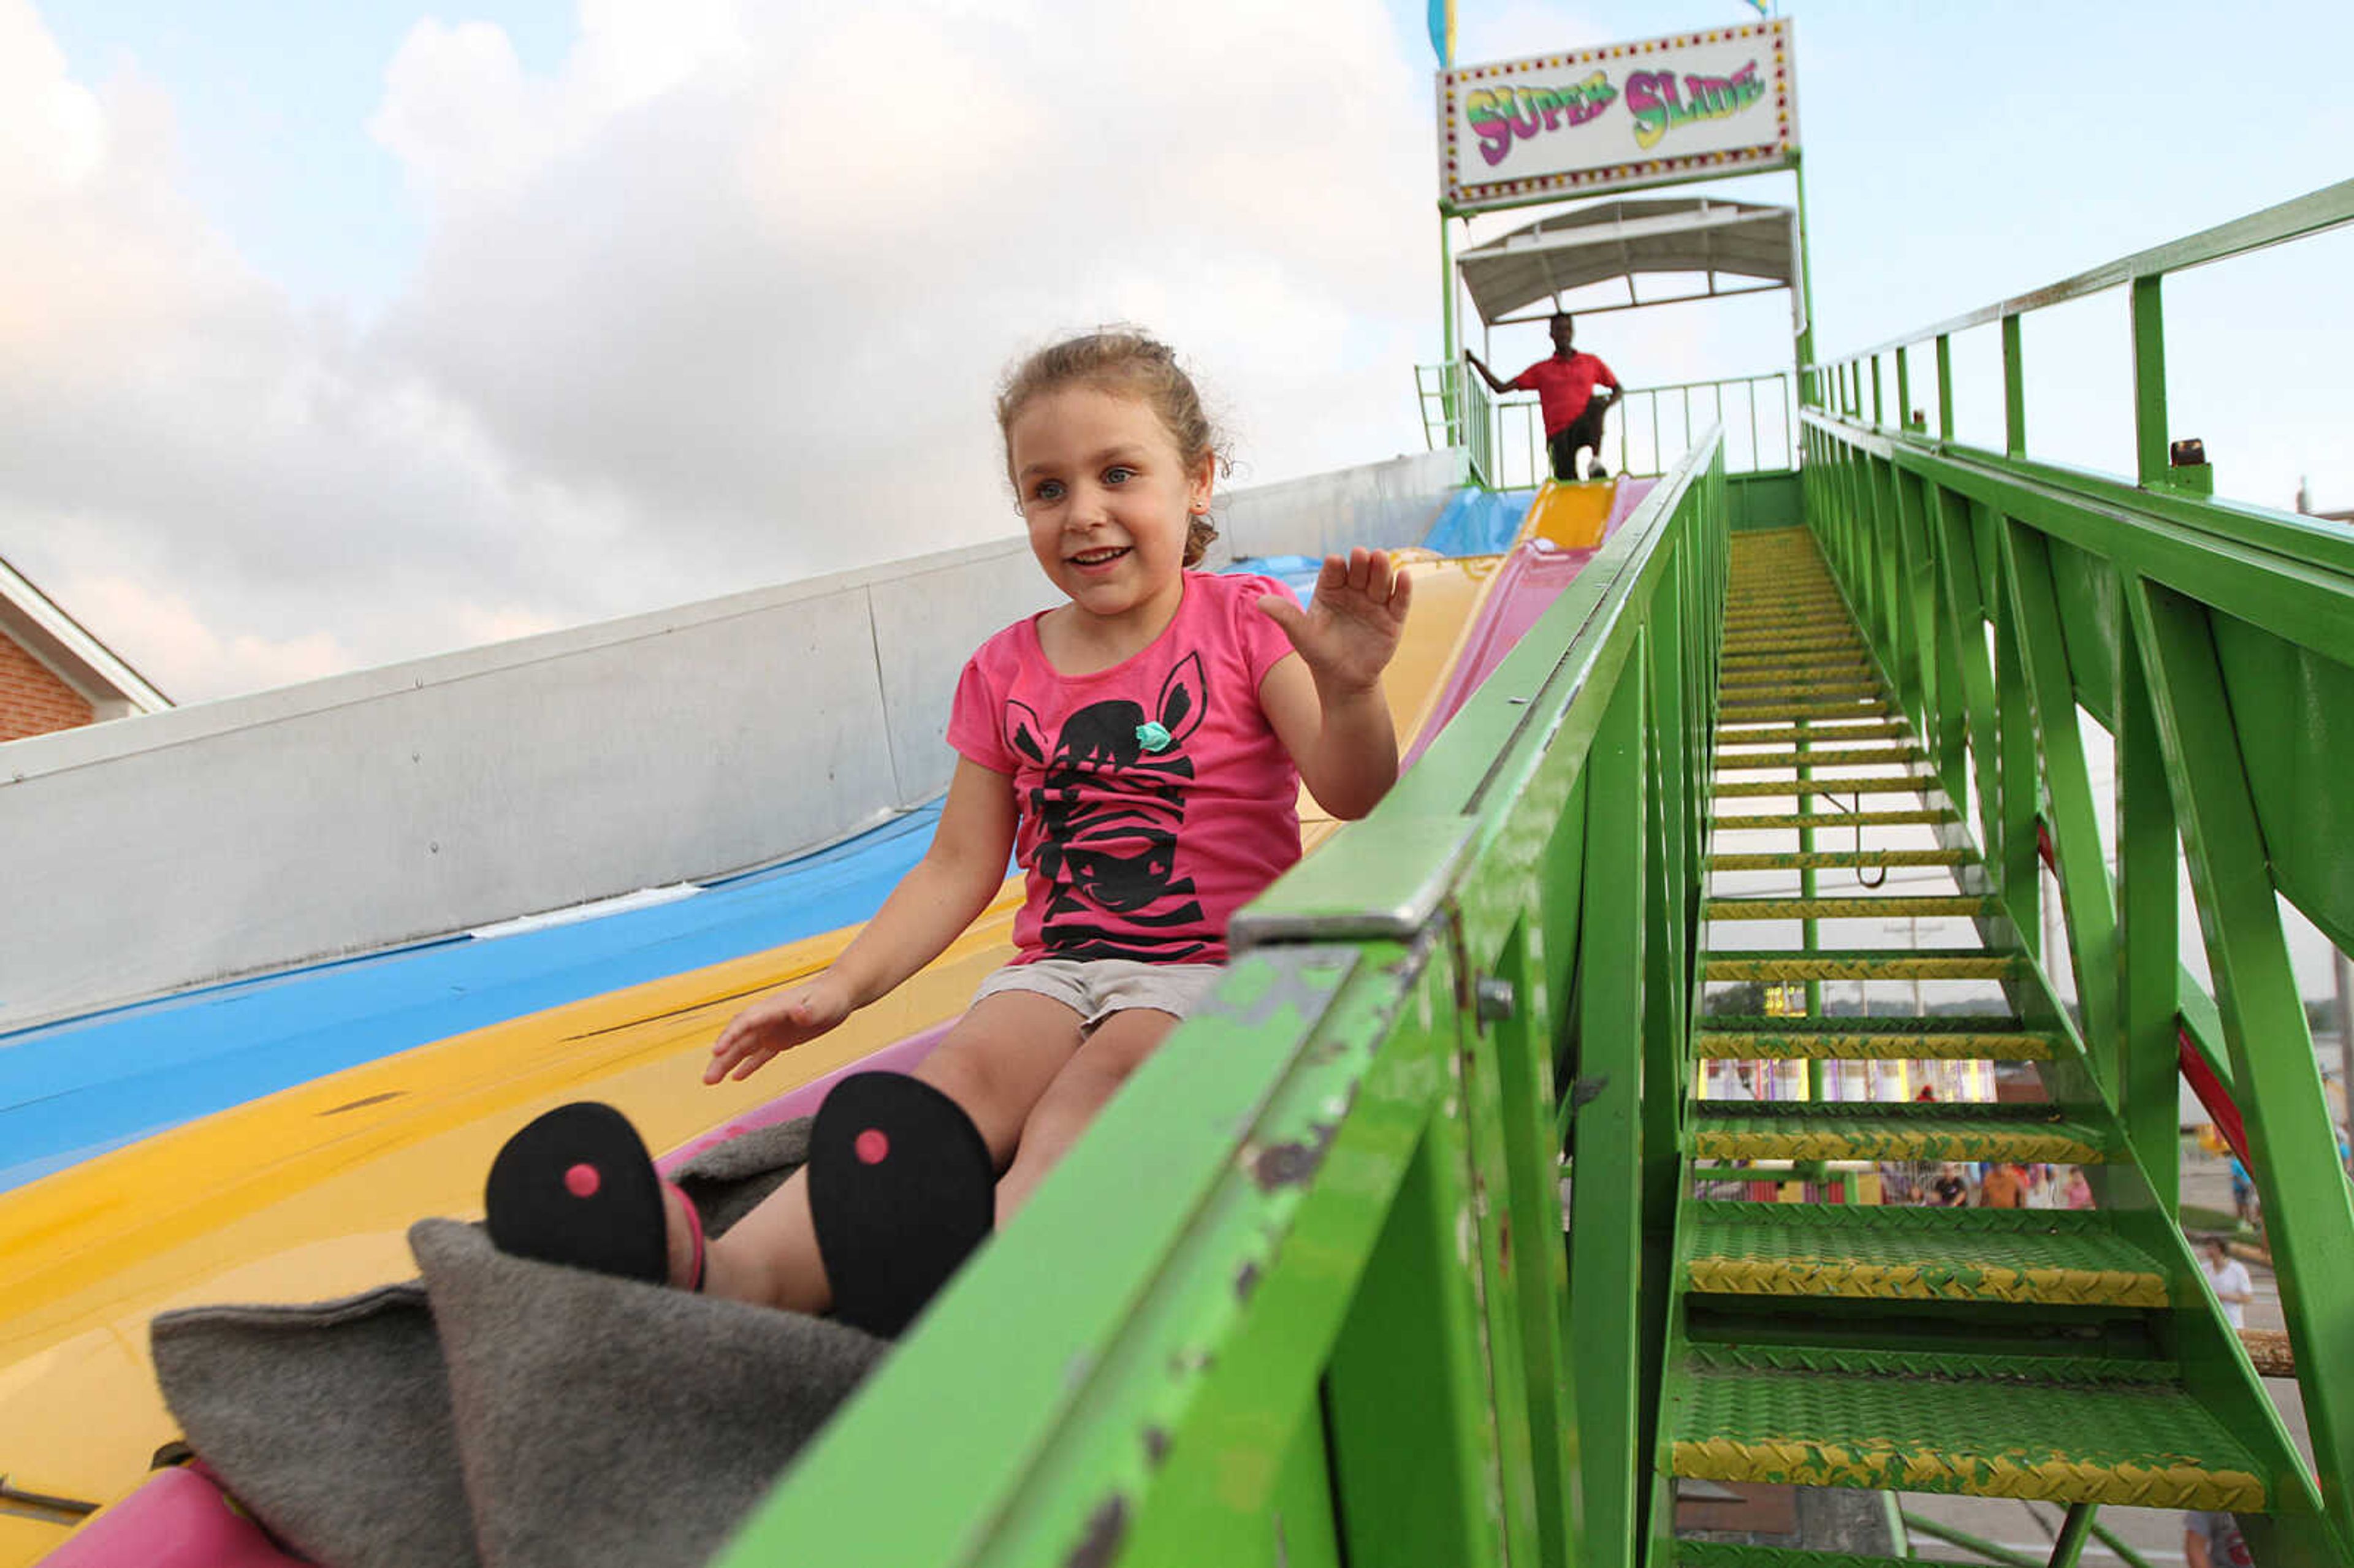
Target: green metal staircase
<point>2007,1353</point>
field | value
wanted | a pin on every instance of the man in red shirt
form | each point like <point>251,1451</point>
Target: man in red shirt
<point>1564,386</point>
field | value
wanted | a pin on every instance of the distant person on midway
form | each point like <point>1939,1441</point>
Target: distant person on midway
<point>1564,386</point>
<point>2229,1279</point>
<point>2213,1541</point>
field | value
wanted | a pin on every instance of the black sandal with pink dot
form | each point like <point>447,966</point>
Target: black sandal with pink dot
<point>902,1190</point>
<point>577,1187</point>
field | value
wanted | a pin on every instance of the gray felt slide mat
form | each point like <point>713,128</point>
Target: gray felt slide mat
<point>501,1412</point>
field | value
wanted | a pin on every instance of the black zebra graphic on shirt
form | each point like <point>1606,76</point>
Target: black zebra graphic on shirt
<point>1109,808</point>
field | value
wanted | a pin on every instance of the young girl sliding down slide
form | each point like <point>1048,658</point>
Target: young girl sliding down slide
<point>1140,749</point>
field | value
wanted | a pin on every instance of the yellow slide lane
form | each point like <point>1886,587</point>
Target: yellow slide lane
<point>308,1193</point>
<point>1571,516</point>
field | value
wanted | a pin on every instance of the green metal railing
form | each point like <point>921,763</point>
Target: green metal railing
<point>2215,642</point>
<point>1300,1297</point>
<point>1457,411</point>
<point>1641,435</point>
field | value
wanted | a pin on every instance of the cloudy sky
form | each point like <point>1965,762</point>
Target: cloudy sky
<point>331,335</point>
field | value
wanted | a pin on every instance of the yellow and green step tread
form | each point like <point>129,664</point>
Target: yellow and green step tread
<point>1799,672</point>
<point>1785,645</point>
<point>1793,735</point>
<point>1866,784</point>
<point>1828,615</point>
<point>2115,1432</point>
<point>1924,906</point>
<point>2054,1257</point>
<point>1863,686</point>
<point>1787,710</point>
<point>1957,1037</point>
<point>1750,634</point>
<point>1854,666</point>
<point>1863,965</point>
<point>2022,1134</point>
<point>1829,756</point>
<point>1760,648</point>
<point>1922,816</point>
<point>1819,624</point>
<point>1828,611</point>
<point>1827,860</point>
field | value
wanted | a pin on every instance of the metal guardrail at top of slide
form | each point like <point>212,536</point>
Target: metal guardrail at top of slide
<point>2215,644</point>
<point>1642,433</point>
<point>1293,1300</point>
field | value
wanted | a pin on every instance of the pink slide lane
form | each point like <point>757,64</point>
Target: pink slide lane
<point>899,1056</point>
<point>178,1518</point>
<point>1532,576</point>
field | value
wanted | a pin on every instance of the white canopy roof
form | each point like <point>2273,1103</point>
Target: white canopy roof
<point>1621,238</point>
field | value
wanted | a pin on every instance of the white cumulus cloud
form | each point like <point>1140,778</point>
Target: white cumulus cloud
<point>717,300</point>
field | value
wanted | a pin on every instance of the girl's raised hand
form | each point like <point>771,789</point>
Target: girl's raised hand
<point>766,1028</point>
<point>1349,633</point>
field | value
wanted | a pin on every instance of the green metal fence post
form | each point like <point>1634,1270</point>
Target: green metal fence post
<point>1916,599</point>
<point>1945,387</point>
<point>2149,914</point>
<point>1803,349</point>
<point>2017,862</point>
<point>2150,458</point>
<point>1539,1261</point>
<point>1514,1391</point>
<point>1447,287</point>
<point>1887,547</point>
<point>2014,391</point>
<point>1407,1365</point>
<point>1451,379</point>
<point>1965,621</point>
<point>1606,1236</point>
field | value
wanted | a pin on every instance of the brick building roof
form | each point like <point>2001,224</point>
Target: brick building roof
<point>69,651</point>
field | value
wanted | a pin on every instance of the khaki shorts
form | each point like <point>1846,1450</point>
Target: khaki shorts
<point>1095,989</point>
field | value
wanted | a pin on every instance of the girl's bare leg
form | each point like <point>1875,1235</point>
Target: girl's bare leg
<point>1085,1084</point>
<point>996,1063</point>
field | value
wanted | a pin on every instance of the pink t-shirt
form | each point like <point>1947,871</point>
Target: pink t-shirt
<point>1155,798</point>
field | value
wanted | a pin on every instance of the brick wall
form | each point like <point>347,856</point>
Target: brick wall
<point>32,700</point>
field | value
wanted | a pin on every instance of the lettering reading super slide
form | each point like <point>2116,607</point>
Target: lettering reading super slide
<point>1658,101</point>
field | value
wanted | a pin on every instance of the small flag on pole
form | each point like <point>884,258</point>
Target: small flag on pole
<point>1760,5</point>
<point>1442,32</point>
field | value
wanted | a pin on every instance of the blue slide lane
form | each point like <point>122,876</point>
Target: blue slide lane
<point>78,1087</point>
<point>1297,573</point>
<point>1479,521</point>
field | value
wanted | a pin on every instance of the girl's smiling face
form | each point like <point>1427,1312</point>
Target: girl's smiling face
<point>1108,497</point>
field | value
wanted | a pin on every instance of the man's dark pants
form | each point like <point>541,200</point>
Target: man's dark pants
<point>1585,430</point>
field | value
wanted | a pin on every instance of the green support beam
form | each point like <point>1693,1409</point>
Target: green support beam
<point>2309,1213</point>
<point>2086,902</point>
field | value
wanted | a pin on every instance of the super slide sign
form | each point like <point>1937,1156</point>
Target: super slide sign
<point>1720,100</point>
